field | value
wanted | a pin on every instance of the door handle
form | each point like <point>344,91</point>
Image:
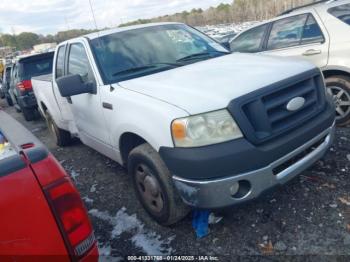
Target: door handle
<point>107,106</point>
<point>312,52</point>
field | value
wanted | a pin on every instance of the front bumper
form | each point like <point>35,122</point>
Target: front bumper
<point>27,101</point>
<point>216,193</point>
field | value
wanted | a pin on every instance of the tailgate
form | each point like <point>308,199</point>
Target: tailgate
<point>27,225</point>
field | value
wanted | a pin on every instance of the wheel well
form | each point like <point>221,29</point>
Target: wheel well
<point>128,142</point>
<point>329,73</point>
<point>43,106</point>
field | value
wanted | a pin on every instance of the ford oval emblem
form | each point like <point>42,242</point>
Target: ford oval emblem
<point>295,104</point>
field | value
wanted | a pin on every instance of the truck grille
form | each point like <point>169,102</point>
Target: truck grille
<point>263,115</point>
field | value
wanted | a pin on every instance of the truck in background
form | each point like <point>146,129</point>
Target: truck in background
<point>21,91</point>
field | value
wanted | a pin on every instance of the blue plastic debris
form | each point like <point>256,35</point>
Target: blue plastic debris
<point>200,222</point>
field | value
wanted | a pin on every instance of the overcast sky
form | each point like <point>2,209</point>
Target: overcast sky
<point>51,16</point>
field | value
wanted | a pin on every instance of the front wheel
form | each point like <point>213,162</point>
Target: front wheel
<point>62,137</point>
<point>154,186</point>
<point>339,88</point>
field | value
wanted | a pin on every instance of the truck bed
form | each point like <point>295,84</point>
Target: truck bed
<point>51,102</point>
<point>45,78</point>
<point>45,96</point>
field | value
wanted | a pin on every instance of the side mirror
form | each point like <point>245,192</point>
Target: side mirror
<point>226,45</point>
<point>72,85</point>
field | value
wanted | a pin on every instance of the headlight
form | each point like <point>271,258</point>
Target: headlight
<point>205,129</point>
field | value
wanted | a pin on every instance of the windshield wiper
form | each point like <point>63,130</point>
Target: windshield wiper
<point>144,67</point>
<point>200,55</point>
<point>133,70</point>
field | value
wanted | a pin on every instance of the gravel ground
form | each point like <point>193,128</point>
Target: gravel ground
<point>308,219</point>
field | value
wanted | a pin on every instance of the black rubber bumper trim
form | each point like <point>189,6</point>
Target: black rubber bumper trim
<point>11,165</point>
<point>18,136</point>
<point>240,156</point>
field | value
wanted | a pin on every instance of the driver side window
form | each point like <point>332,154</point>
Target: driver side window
<point>78,63</point>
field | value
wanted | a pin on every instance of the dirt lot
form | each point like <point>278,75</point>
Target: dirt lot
<point>309,216</point>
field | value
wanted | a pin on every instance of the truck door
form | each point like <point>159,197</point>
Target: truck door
<point>86,108</point>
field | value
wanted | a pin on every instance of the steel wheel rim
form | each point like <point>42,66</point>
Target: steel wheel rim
<point>149,188</point>
<point>341,100</point>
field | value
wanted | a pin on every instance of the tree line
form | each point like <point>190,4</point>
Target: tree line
<point>27,40</point>
<point>238,11</point>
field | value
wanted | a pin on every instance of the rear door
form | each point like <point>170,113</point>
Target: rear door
<point>300,36</point>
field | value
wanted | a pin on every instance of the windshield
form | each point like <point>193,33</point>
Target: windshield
<point>139,52</point>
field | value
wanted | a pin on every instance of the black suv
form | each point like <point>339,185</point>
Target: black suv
<point>21,86</point>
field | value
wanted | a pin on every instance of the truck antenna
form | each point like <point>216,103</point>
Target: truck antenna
<point>93,15</point>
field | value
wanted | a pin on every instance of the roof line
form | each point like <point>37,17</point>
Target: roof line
<point>307,5</point>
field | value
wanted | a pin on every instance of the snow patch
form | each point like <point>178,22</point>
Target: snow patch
<point>88,200</point>
<point>93,188</point>
<point>150,242</point>
<point>104,250</point>
<point>110,259</point>
<point>105,255</point>
<point>74,175</point>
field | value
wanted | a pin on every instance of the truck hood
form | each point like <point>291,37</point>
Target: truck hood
<point>211,84</point>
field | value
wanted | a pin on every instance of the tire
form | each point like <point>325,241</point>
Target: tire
<point>154,186</point>
<point>28,113</point>
<point>9,100</point>
<point>339,88</point>
<point>62,137</point>
<point>2,95</point>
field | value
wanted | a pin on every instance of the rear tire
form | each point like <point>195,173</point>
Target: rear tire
<point>28,113</point>
<point>9,100</point>
<point>2,95</point>
<point>62,137</point>
<point>339,88</point>
<point>154,186</point>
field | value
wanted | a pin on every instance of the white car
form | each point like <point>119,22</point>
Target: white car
<point>194,124</point>
<point>319,33</point>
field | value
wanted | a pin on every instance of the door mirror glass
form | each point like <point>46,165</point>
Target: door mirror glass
<point>72,85</point>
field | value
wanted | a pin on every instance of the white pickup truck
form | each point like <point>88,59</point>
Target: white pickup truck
<point>194,124</point>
